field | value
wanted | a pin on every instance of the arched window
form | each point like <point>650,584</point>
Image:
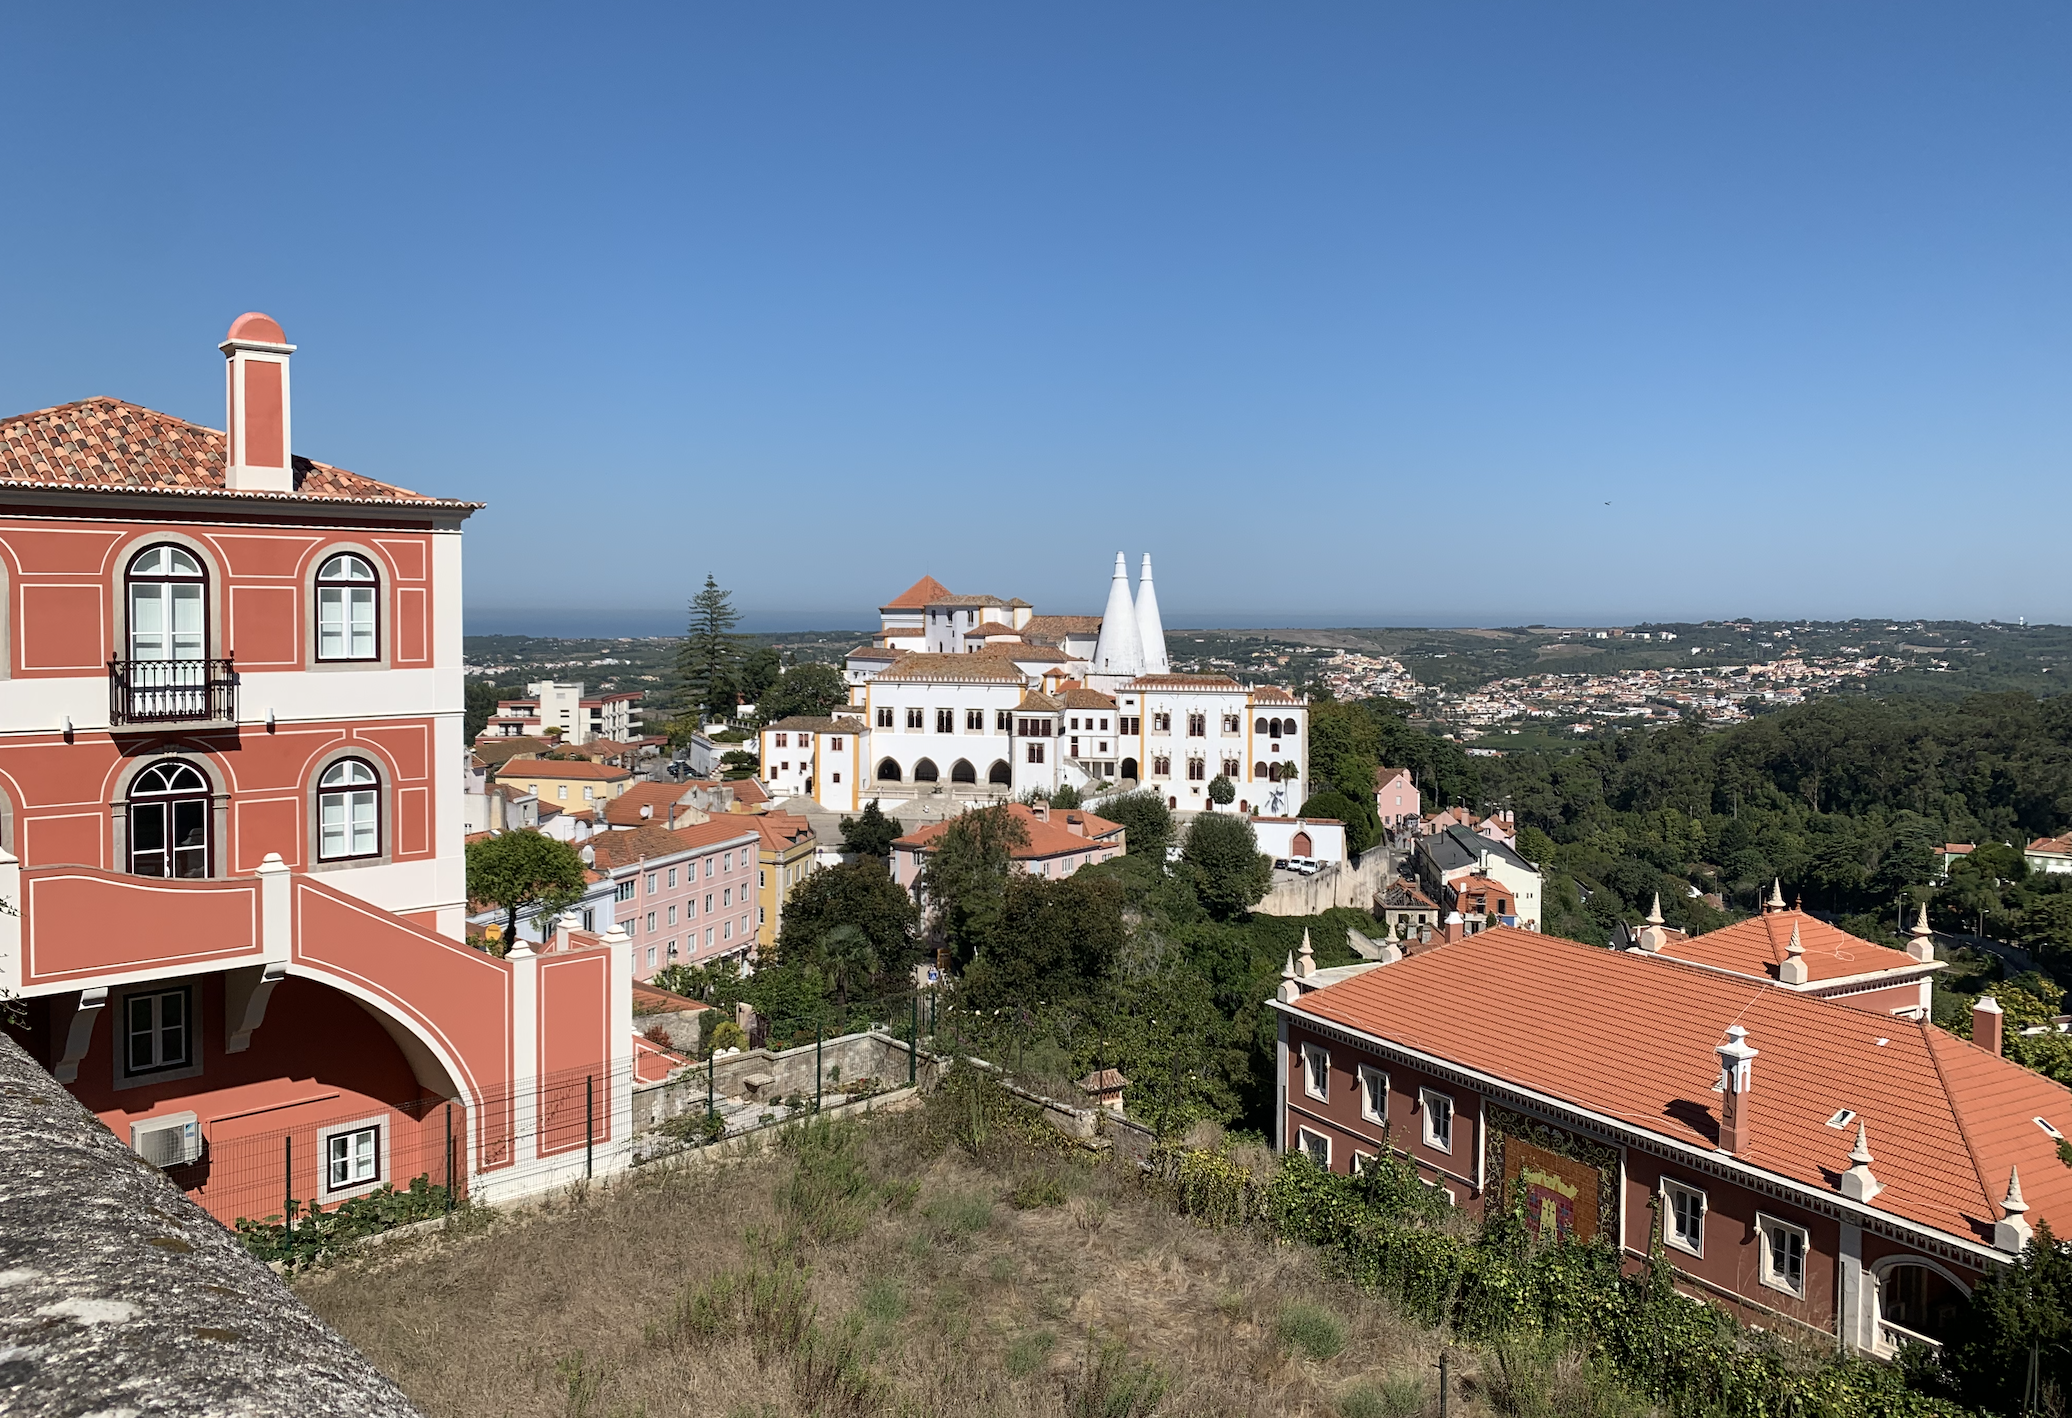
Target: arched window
<point>888,771</point>
<point>1260,727</point>
<point>925,772</point>
<point>1129,769</point>
<point>1273,772</point>
<point>1259,770</point>
<point>1273,729</point>
<point>1921,1301</point>
<point>1000,772</point>
<point>169,821</point>
<point>1161,766</point>
<point>346,587</point>
<point>168,605</point>
<point>962,772</point>
<point>348,811</point>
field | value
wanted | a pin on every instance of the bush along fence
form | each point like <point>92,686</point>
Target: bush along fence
<point>1495,1283</point>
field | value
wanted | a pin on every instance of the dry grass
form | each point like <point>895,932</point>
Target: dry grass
<point>881,1269</point>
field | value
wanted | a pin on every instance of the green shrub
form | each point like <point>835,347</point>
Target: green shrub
<point>1032,1193</point>
<point>1029,1351</point>
<point>1402,1394</point>
<point>960,1213</point>
<point>1310,1329</point>
<point>316,1232</point>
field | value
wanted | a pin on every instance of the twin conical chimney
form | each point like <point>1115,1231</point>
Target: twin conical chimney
<point>1150,630</point>
<point>1119,651</point>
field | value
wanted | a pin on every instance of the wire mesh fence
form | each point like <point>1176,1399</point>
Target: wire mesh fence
<point>322,1162</point>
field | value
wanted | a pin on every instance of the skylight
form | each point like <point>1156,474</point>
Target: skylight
<point>1845,1116</point>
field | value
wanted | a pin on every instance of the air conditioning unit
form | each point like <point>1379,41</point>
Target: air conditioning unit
<point>173,1140</point>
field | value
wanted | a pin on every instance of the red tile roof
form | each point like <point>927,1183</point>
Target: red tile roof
<point>561,768</point>
<point>109,444</point>
<point>1063,625</point>
<point>781,831</point>
<point>1757,946</point>
<point>624,810</point>
<point>649,842</point>
<point>917,596</point>
<point>1046,839</point>
<point>952,668</point>
<point>1633,1040</point>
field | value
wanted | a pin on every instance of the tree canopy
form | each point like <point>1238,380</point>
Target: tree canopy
<point>1222,858</point>
<point>872,832</point>
<point>711,655</point>
<point>811,690</point>
<point>964,879</point>
<point>524,873</point>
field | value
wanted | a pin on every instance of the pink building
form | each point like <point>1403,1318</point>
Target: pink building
<point>231,783</point>
<point>1396,797</point>
<point>685,896</point>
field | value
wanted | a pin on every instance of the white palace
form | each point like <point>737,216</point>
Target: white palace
<point>980,698</point>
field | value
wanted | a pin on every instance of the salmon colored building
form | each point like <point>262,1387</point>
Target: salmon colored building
<point>1814,1166</point>
<point>231,781</point>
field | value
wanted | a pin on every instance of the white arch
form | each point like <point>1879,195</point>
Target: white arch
<point>1880,1267</point>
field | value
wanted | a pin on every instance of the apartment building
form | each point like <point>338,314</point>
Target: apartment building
<point>685,895</point>
<point>231,786</point>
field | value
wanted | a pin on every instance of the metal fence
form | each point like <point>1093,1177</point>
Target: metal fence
<point>263,1175</point>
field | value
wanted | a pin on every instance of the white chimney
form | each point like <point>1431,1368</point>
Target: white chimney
<point>1119,651</point>
<point>261,438</point>
<point>1150,629</point>
<point>1921,939</point>
<point>1736,1078</point>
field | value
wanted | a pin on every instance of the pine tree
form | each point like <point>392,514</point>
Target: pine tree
<point>711,653</point>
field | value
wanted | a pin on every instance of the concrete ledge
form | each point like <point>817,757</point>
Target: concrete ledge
<point>118,1295</point>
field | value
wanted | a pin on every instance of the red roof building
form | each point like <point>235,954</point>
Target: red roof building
<point>1061,841</point>
<point>1816,1167</point>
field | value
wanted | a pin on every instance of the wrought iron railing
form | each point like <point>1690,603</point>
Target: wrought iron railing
<point>171,691</point>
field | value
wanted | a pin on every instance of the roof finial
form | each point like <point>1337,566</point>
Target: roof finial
<point>2012,1231</point>
<point>1288,970</point>
<point>1857,1182</point>
<point>1776,901</point>
<point>1792,970</point>
<point>1306,964</point>
<point>1921,939</point>
<point>1655,912</point>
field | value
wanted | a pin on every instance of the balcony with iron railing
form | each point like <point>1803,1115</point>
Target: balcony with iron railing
<point>172,692</point>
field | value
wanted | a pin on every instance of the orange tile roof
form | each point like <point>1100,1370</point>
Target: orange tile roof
<point>1046,839</point>
<point>110,444</point>
<point>2053,846</point>
<point>1063,625</point>
<point>624,810</point>
<point>563,768</point>
<point>613,850</point>
<point>781,831</point>
<point>1183,682</point>
<point>952,668</point>
<point>1272,694</point>
<point>917,596</point>
<point>1606,1032</point>
<point>652,999</point>
<point>1756,947</point>
<point>1079,698</point>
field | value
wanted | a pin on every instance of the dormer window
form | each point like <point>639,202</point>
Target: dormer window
<point>346,628</point>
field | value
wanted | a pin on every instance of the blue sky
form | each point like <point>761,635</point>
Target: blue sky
<point>1350,314</point>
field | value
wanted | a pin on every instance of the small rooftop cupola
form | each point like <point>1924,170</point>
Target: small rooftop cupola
<point>258,457</point>
<point>1921,939</point>
<point>1792,969</point>
<point>1150,629</point>
<point>1987,1024</point>
<point>2012,1231</point>
<point>1858,1183</point>
<point>1736,1076</point>
<point>1776,901</point>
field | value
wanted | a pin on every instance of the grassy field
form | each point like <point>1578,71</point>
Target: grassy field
<point>941,1261</point>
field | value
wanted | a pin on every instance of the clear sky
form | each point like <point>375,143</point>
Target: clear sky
<point>1350,314</point>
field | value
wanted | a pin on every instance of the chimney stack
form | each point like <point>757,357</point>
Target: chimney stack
<point>258,457</point>
<point>1652,937</point>
<point>1736,1076</point>
<point>1987,1024</point>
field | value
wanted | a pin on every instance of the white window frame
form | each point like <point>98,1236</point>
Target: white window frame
<point>1425,1098</point>
<point>1303,1137</point>
<point>1361,1161</point>
<point>144,1078</point>
<point>1316,1072</point>
<point>1671,1190</point>
<point>1767,1270</point>
<point>384,1128</point>
<point>1371,1080</point>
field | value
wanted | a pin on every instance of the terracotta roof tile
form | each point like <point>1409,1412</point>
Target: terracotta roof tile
<point>952,669</point>
<point>107,443</point>
<point>647,843</point>
<point>1183,682</point>
<point>1634,1040</point>
<point>561,768</point>
<point>1756,947</point>
<point>917,596</point>
<point>1046,839</point>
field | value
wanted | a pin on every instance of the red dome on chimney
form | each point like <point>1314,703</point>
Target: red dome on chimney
<point>260,329</point>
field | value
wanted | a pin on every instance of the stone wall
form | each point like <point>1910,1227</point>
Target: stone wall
<point>1336,885</point>
<point>119,1295</point>
<point>765,1075</point>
